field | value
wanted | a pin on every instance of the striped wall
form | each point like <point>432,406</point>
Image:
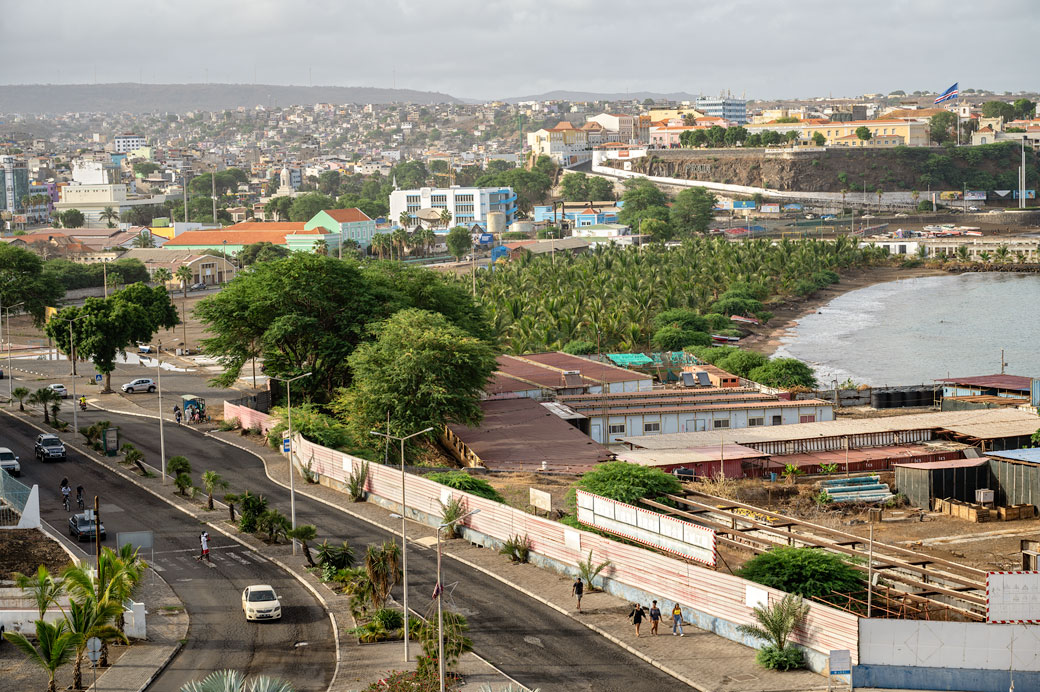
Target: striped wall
<point>711,600</point>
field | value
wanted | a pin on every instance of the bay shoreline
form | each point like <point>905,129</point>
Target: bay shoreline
<point>786,315</point>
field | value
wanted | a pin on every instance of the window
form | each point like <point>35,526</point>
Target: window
<point>754,422</point>
<point>652,427</point>
<point>811,418</point>
<point>720,423</point>
<point>777,420</point>
<point>616,429</point>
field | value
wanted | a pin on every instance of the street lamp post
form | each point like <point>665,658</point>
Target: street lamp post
<point>292,480</point>
<point>10,368</point>
<point>224,268</point>
<point>439,591</point>
<point>72,357</point>
<point>158,388</point>
<point>404,538</point>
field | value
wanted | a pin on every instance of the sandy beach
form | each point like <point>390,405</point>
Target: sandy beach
<point>766,339</point>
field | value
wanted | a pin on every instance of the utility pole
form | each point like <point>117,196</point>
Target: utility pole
<point>184,183</point>
<point>213,186</point>
<point>1022,177</point>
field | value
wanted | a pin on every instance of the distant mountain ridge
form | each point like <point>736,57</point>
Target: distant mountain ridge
<point>178,98</point>
<point>564,95</point>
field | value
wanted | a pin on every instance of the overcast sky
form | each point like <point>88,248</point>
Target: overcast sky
<point>498,48</point>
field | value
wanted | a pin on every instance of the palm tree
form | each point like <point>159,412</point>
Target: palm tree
<point>109,214</point>
<point>211,481</point>
<point>184,275</point>
<point>321,247</point>
<point>381,243</point>
<point>233,681</point>
<point>88,619</point>
<point>383,566</point>
<point>161,276</point>
<point>776,622</point>
<point>304,533</point>
<point>144,240</point>
<point>19,394</point>
<point>56,646</point>
<point>446,217</point>
<point>425,238</point>
<point>44,397</point>
<point>962,252</point>
<point>114,582</point>
<point>41,587</point>
<point>399,238</point>
<point>405,219</point>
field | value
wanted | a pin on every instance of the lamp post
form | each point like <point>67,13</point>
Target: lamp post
<point>224,268</point>
<point>439,592</point>
<point>10,369</point>
<point>404,538</point>
<point>158,388</point>
<point>292,482</point>
<point>72,357</point>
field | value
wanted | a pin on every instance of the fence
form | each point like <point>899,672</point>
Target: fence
<point>19,504</point>
<point>711,600</point>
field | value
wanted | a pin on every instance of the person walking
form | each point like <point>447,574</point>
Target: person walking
<point>577,589</point>
<point>177,415</point>
<point>655,618</point>
<point>204,541</point>
<point>637,615</point>
<point>677,621</point>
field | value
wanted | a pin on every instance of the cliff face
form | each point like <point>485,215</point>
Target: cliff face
<point>986,167</point>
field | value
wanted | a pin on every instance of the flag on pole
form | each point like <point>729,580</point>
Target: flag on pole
<point>437,590</point>
<point>950,93</point>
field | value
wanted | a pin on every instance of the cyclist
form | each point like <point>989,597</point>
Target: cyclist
<point>79,496</point>
<point>66,491</point>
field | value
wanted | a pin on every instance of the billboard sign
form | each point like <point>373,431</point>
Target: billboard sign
<point>793,207</point>
<point>486,239</point>
<point>950,195</point>
<point>975,196</point>
<point>673,535</point>
<point>723,204</point>
<point>744,204</point>
<point>770,209</point>
<point>1013,597</point>
<point>1029,194</point>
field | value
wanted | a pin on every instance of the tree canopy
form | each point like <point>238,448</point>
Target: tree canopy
<point>306,206</point>
<point>261,252</point>
<point>459,241</point>
<point>785,373</point>
<point>939,127</point>
<point>23,280</point>
<point>421,368</point>
<point>692,210</point>
<point>578,187</point>
<point>628,483</point>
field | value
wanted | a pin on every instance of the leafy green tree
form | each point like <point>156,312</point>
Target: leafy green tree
<point>692,210</point>
<point>785,373</point>
<point>261,252</point>
<point>410,174</point>
<point>660,231</point>
<point>818,139</point>
<point>628,483</point>
<point>109,214</point>
<point>863,132</point>
<point>770,137</point>
<point>71,218</point>
<point>530,186</point>
<point>55,646</point>
<point>421,369</point>
<point>939,127</point>
<point>640,194</point>
<point>278,208</point>
<point>87,618</point>
<point>575,187</point>
<point>742,362</point>
<point>671,338</point>
<point>373,208</point>
<point>328,183</point>
<point>227,182</point>
<point>23,280</point>
<point>998,109</point>
<point>577,348</point>
<point>160,312</point>
<point>600,189</point>
<point>145,168</point>
<point>306,206</point>
<point>735,135</point>
<point>682,318</point>
<point>460,480</point>
<point>808,572</point>
<point>1024,109</point>
<point>459,241</point>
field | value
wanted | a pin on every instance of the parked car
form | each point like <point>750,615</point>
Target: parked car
<point>81,528</point>
<point>59,389</point>
<point>260,602</point>
<point>200,286</point>
<point>49,447</point>
<point>9,462</point>
<point>141,384</point>
<point>973,208</point>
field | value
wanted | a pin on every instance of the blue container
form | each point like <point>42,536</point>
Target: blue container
<point>772,477</point>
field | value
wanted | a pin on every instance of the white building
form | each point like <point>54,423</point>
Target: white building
<point>89,172</point>
<point>125,143</point>
<point>468,205</point>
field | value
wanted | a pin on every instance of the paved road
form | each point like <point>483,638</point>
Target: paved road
<point>534,644</point>
<point>218,636</point>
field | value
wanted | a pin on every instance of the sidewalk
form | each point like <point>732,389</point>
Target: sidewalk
<point>702,660</point>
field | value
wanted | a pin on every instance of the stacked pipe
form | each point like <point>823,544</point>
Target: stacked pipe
<point>857,489</point>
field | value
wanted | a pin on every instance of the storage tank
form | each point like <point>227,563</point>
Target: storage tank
<point>884,400</point>
<point>496,223</point>
<point>898,399</point>
<point>875,399</point>
<point>522,227</point>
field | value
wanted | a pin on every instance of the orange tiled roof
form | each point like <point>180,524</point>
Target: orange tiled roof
<point>561,126</point>
<point>351,215</point>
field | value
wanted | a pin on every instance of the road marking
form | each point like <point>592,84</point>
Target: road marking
<point>236,557</point>
<point>157,568</point>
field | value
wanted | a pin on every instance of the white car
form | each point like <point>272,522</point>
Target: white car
<point>260,602</point>
<point>9,462</point>
<point>59,389</point>
<point>141,384</point>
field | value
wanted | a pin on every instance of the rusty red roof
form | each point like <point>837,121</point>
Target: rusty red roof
<point>1016,383</point>
<point>590,369</point>
<point>352,215</point>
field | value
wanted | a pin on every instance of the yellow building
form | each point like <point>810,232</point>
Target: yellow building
<point>912,133</point>
<point>659,114</point>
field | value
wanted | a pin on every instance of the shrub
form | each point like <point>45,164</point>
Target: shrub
<point>784,372</point>
<point>828,468</point>
<point>252,506</point>
<point>272,523</point>
<point>518,548</point>
<point>681,318</point>
<point>333,558</point>
<point>451,511</point>
<point>579,348</point>
<point>588,571</point>
<point>460,480</point>
<point>808,572</point>
<point>389,618</point>
<point>713,354</point>
<point>228,424</point>
<point>628,483</point>
<point>790,657</point>
<point>356,482</point>
<point>717,321</point>
<point>314,425</point>
<point>775,624</point>
<point>696,340</point>
<point>741,362</point>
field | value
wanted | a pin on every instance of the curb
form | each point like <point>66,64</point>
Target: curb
<point>176,647</point>
<point>278,563</point>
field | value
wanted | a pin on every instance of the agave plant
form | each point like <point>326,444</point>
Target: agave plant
<point>233,681</point>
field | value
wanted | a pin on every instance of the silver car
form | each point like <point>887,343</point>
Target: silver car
<point>9,462</point>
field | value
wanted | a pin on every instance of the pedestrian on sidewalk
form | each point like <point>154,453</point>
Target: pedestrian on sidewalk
<point>637,615</point>
<point>577,589</point>
<point>204,541</point>
<point>177,415</point>
<point>677,621</point>
<point>655,618</point>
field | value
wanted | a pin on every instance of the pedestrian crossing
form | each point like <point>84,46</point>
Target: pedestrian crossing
<point>227,555</point>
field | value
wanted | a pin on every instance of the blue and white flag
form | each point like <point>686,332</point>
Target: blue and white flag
<point>950,93</point>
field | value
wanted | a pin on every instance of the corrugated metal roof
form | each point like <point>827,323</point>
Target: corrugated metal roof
<point>1015,382</point>
<point>656,457</point>
<point>986,423</point>
<point>1031,456</point>
<point>951,464</point>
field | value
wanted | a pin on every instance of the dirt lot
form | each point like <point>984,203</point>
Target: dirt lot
<point>23,550</point>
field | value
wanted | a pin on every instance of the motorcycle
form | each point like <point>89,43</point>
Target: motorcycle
<point>82,405</point>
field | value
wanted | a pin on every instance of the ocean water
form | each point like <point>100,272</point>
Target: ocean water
<point>916,330</point>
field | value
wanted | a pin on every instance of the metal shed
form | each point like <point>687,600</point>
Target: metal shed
<point>1017,474</point>
<point>957,479</point>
